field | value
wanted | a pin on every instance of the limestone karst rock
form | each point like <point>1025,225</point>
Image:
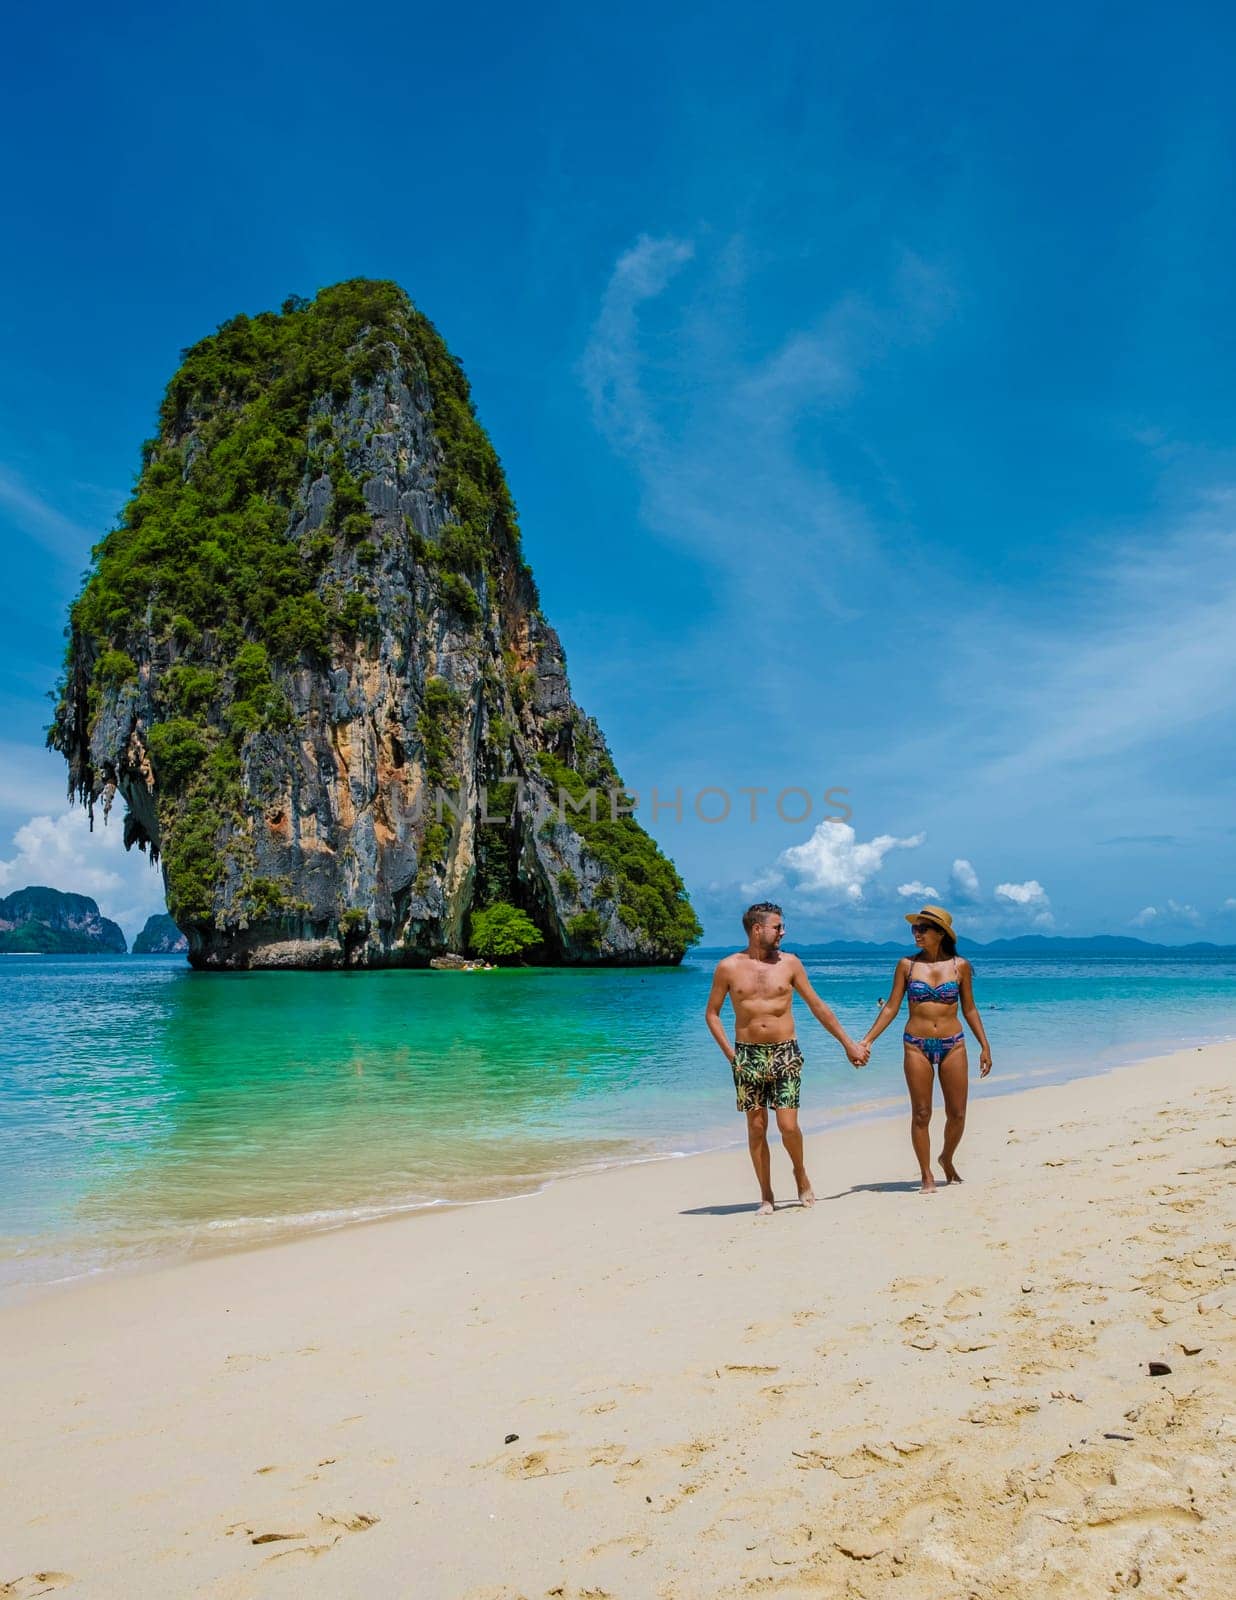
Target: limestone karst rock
<point>45,921</point>
<point>311,659</point>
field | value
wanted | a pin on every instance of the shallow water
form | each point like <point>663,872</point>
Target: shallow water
<point>147,1110</point>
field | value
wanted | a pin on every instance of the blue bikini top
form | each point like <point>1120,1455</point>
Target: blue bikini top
<point>921,992</point>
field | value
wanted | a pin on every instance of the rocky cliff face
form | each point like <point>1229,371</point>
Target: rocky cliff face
<point>313,663</point>
<point>160,937</point>
<point>56,923</point>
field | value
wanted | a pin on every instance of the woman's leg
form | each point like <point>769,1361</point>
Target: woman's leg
<point>919,1080</point>
<point>955,1085</point>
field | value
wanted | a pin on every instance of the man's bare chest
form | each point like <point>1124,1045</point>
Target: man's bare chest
<point>754,987</point>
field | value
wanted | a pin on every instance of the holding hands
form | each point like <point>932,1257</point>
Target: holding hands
<point>859,1054</point>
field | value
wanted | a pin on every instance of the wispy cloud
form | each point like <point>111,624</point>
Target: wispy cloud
<point>731,448</point>
<point>42,522</point>
<point>1146,649</point>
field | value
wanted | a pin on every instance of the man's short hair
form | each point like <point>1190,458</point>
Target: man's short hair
<point>760,912</point>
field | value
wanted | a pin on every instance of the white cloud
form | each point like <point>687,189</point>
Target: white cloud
<point>62,853</point>
<point>833,866</point>
<point>1030,898</point>
<point>918,891</point>
<point>1023,894</point>
<point>963,883</point>
<point>1173,911</point>
<point>1228,905</point>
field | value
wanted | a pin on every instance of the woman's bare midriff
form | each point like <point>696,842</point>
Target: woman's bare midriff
<point>932,1022</point>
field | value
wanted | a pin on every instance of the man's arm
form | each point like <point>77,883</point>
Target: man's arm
<point>712,1013</point>
<point>824,1014</point>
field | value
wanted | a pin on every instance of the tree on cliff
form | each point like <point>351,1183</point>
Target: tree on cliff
<point>501,931</point>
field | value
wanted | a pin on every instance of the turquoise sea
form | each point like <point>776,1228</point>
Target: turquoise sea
<point>149,1111</point>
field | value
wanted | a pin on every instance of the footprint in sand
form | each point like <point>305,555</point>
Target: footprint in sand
<point>633,1543</point>
<point>862,1461</point>
<point>1001,1415</point>
<point>34,1583</point>
<point>918,1332</point>
<point>962,1303</point>
<point>911,1285</point>
<point>553,1464</point>
<point>325,1536</point>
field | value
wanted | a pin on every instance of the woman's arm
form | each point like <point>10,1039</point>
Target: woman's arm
<point>970,1012</point>
<point>892,1005</point>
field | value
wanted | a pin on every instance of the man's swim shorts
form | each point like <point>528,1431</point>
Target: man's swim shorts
<point>768,1075</point>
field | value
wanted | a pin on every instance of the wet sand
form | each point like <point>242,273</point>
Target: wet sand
<point>935,1398</point>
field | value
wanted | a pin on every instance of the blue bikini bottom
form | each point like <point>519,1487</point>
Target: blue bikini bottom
<point>934,1049</point>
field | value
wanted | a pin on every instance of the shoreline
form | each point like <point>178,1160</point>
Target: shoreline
<point>704,1403</point>
<point>200,1243</point>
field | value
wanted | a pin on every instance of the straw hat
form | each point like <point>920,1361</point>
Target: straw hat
<point>936,914</point>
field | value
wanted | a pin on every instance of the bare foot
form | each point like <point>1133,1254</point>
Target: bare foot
<point>929,1185</point>
<point>806,1195</point>
<point>951,1174</point>
<point>766,1208</point>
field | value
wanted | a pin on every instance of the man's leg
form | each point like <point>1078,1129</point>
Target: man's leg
<point>757,1143</point>
<point>792,1139</point>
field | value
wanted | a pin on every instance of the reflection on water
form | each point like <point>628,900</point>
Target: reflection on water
<point>143,1105</point>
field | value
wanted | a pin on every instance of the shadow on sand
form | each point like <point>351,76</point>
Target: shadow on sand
<point>910,1186</point>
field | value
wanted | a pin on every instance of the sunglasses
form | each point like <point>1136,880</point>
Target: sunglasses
<point>924,927</point>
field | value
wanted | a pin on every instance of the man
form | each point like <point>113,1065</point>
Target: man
<point>761,982</point>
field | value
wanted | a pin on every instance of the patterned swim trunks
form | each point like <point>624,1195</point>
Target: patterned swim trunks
<point>768,1075</point>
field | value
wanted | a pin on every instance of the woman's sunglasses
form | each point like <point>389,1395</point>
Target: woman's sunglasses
<point>923,927</point>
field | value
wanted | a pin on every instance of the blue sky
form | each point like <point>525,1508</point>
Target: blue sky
<point>863,381</point>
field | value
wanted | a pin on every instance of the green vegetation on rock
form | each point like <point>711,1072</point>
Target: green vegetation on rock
<point>204,560</point>
<point>501,932</point>
<point>315,587</point>
<point>652,897</point>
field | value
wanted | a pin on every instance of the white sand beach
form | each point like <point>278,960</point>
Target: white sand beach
<point>932,1398</point>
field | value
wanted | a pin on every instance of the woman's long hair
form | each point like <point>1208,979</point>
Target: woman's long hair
<point>948,948</point>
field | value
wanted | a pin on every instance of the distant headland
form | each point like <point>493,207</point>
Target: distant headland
<point>160,937</point>
<point>41,921</point>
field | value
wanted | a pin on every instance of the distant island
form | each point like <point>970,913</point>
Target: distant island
<point>160,937</point>
<point>1025,944</point>
<point>41,921</point>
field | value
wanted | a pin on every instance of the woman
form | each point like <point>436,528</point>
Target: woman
<point>932,1037</point>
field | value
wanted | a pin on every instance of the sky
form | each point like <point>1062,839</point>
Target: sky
<point>862,377</point>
